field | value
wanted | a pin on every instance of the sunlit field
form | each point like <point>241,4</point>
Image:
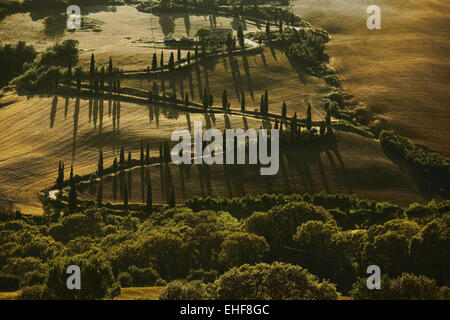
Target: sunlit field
<point>401,71</point>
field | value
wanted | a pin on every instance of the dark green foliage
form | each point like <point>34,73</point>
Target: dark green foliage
<point>202,275</point>
<point>171,62</point>
<point>125,279</point>
<point>45,70</point>
<point>154,62</point>
<point>434,168</point>
<point>405,287</point>
<point>277,281</point>
<point>12,60</point>
<point>308,117</point>
<point>240,34</point>
<point>224,99</point>
<point>9,282</point>
<point>100,164</point>
<point>96,281</point>
<point>143,276</point>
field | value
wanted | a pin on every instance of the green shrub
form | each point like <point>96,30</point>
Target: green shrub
<point>179,290</point>
<point>34,292</point>
<point>277,281</point>
<point>143,276</point>
<point>125,279</point>
<point>202,275</point>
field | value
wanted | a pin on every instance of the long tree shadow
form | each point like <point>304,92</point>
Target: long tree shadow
<point>53,111</point>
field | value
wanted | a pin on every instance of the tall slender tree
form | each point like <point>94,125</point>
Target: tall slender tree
<point>147,153</point>
<point>154,62</point>
<point>240,34</point>
<point>243,102</point>
<point>92,67</point>
<point>225,99</point>
<point>309,117</point>
<point>100,193</point>
<point>130,160</point>
<point>72,202</point>
<point>110,67</point>
<point>100,164</point>
<point>171,62</point>
<point>122,157</point>
<point>284,110</point>
<point>179,55</point>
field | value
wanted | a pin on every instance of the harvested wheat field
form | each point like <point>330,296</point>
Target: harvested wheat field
<point>401,71</point>
<point>251,74</point>
<point>38,132</point>
<point>128,36</point>
<point>352,165</point>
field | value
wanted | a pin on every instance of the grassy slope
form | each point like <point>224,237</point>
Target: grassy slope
<point>267,70</point>
<point>401,71</point>
<point>356,165</point>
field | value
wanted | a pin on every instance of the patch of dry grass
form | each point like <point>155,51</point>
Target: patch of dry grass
<point>140,293</point>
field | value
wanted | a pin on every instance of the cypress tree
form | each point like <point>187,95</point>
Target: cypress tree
<point>179,55</point>
<point>186,100</point>
<point>100,194</point>
<point>308,118</point>
<point>243,102</point>
<point>171,62</point>
<point>129,159</point>
<point>160,152</point>
<point>281,26</point>
<point>92,67</point>
<point>154,62</point>
<point>167,156</point>
<point>261,105</point>
<point>284,110</point>
<point>205,99</point>
<point>71,173</point>
<point>122,158</point>
<point>240,34</point>
<point>110,67</point>
<point>268,29</point>
<point>147,153</point>
<point>100,164</point>
<point>189,57</point>
<point>225,99</point>
<point>114,166</point>
<point>72,202</point>
<point>161,61</point>
<point>294,124</point>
